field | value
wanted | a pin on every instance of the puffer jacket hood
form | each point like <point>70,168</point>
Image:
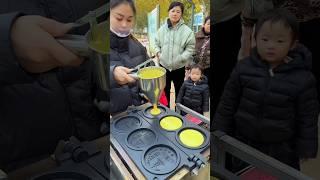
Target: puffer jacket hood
<point>298,58</point>
<point>203,80</point>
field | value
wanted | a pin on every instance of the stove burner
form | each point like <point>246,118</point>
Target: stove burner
<point>155,112</point>
<point>149,114</point>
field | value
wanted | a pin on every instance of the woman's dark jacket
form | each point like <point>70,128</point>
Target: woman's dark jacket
<point>38,110</point>
<point>127,52</point>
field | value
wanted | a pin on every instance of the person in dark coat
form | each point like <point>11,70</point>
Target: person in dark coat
<point>270,101</point>
<point>125,53</point>
<point>46,92</point>
<point>226,32</point>
<point>194,92</point>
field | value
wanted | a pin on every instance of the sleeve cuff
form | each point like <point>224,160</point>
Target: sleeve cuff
<point>10,70</point>
<point>113,83</point>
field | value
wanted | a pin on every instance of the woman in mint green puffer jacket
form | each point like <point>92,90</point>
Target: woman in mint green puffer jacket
<point>175,47</point>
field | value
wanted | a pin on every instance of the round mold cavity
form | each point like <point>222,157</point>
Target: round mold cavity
<point>171,123</point>
<point>155,111</point>
<point>160,159</point>
<point>127,123</point>
<point>192,138</point>
<point>62,176</point>
<point>148,114</point>
<point>139,139</point>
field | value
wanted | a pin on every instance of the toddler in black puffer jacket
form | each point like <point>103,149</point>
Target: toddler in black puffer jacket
<point>270,101</point>
<point>194,92</point>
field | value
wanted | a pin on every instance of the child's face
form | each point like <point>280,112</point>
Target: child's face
<point>195,74</point>
<point>274,40</point>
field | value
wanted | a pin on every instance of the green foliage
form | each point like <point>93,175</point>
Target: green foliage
<point>145,6</point>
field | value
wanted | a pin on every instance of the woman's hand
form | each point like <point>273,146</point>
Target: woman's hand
<point>34,43</point>
<point>121,75</point>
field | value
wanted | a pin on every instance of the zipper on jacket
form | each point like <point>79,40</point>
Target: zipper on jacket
<point>172,61</point>
<point>265,92</point>
<point>271,73</point>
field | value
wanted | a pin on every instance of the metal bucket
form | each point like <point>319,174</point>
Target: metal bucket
<point>152,86</point>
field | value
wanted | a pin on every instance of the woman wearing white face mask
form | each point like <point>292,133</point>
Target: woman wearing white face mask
<point>125,53</point>
<point>175,47</point>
